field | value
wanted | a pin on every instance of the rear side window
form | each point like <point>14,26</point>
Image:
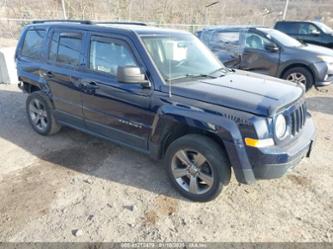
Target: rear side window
<point>227,37</point>
<point>66,48</point>
<point>106,55</point>
<point>288,27</point>
<point>33,44</point>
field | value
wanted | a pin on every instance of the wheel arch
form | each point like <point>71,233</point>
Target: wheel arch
<point>29,88</point>
<point>298,64</point>
<point>176,123</point>
<point>183,130</point>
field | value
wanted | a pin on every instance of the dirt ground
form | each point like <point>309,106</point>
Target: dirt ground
<point>74,187</point>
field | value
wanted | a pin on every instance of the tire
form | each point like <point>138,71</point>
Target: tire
<point>299,75</point>
<point>40,114</point>
<point>213,167</point>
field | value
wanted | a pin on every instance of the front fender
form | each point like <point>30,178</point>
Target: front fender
<point>170,118</point>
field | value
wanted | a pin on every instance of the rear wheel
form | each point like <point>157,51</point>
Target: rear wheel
<point>299,75</point>
<point>40,115</point>
<point>197,167</point>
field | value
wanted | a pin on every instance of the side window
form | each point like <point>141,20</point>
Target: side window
<point>308,29</point>
<point>288,27</point>
<point>66,48</point>
<point>255,41</point>
<point>229,37</point>
<point>206,36</point>
<point>106,55</point>
<point>33,44</point>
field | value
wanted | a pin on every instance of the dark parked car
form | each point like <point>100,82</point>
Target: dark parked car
<point>269,51</point>
<point>162,92</point>
<point>308,31</point>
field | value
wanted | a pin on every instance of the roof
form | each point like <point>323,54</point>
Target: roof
<point>139,28</point>
<point>309,21</point>
<point>226,27</point>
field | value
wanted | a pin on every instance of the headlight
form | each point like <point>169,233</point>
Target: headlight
<point>327,59</point>
<point>280,126</point>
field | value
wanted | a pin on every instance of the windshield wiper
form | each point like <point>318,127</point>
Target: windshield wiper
<point>192,76</point>
<point>225,70</point>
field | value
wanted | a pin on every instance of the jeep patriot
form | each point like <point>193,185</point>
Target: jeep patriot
<point>162,92</point>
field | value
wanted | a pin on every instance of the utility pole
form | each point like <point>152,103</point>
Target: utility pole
<point>64,9</point>
<point>130,10</point>
<point>207,10</point>
<point>285,10</point>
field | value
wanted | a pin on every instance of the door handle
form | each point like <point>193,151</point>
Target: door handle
<point>88,87</point>
<point>92,85</point>
<point>48,74</point>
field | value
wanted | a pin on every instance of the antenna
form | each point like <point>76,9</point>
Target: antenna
<point>169,81</point>
<point>170,93</point>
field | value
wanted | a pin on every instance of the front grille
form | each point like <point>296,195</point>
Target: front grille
<point>297,118</point>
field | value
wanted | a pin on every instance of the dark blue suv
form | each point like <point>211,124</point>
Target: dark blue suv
<point>308,31</point>
<point>162,92</point>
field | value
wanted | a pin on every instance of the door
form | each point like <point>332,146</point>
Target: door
<point>226,45</point>
<point>118,111</point>
<point>64,62</point>
<point>258,55</point>
<point>309,33</point>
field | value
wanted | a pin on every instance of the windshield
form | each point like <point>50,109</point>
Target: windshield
<point>284,39</point>
<point>324,28</point>
<point>181,56</point>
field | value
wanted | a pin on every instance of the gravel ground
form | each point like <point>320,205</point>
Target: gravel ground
<point>74,187</point>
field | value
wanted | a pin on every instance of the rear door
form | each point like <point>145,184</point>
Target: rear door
<point>65,58</point>
<point>30,55</point>
<point>256,57</point>
<point>290,28</point>
<point>118,111</point>
<point>226,45</point>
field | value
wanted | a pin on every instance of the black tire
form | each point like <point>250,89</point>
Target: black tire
<point>309,80</point>
<point>216,161</point>
<point>51,127</point>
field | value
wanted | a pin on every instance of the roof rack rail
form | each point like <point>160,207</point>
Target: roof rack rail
<point>62,20</point>
<point>120,22</point>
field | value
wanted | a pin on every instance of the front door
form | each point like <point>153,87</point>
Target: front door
<point>118,111</point>
<point>310,33</point>
<point>256,57</point>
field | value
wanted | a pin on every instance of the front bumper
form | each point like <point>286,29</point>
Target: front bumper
<point>327,81</point>
<point>272,162</point>
<point>324,73</point>
<point>271,171</point>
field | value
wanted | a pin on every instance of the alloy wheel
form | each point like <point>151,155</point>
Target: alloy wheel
<point>38,114</point>
<point>192,171</point>
<point>297,78</point>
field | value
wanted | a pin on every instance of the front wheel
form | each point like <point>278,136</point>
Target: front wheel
<point>197,167</point>
<point>299,75</point>
<point>40,115</point>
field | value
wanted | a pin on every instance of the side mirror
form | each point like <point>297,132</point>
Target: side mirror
<point>271,47</point>
<point>315,32</point>
<point>132,75</point>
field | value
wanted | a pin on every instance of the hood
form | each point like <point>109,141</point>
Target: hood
<point>317,50</point>
<point>249,92</point>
